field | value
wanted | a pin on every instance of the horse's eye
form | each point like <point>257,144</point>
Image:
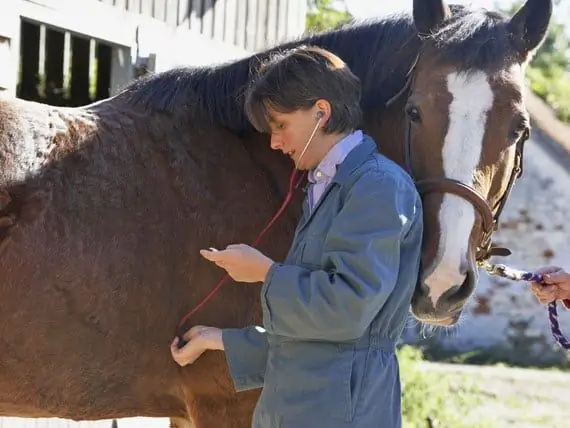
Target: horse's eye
<point>414,114</point>
<point>519,128</point>
<point>519,132</point>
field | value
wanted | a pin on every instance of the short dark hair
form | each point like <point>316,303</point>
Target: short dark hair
<point>295,79</point>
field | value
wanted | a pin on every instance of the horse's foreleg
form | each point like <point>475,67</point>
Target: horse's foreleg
<point>181,423</point>
<point>233,411</point>
<point>224,412</point>
<point>210,397</point>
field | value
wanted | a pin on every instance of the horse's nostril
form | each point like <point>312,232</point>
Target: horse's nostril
<point>460,293</point>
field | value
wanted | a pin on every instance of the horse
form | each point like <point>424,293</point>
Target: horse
<point>104,208</point>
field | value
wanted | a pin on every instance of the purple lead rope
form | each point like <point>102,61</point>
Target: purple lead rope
<point>519,275</point>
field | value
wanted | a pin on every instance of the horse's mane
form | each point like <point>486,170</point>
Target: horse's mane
<point>380,52</point>
<point>474,40</point>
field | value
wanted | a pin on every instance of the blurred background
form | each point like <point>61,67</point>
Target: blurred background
<point>500,367</point>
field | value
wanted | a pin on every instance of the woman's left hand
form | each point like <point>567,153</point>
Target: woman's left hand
<point>200,339</point>
<point>242,262</point>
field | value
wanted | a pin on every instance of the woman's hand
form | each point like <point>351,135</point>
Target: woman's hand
<point>200,339</point>
<point>242,262</point>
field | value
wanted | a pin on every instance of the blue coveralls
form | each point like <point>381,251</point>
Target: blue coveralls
<point>334,309</point>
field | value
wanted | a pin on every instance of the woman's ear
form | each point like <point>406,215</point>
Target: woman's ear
<point>323,110</point>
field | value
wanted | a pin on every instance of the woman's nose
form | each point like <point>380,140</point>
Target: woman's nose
<point>276,142</point>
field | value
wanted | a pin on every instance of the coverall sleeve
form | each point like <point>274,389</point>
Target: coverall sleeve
<point>361,261</point>
<point>246,352</point>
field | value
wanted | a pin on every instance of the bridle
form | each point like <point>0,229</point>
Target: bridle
<point>489,215</point>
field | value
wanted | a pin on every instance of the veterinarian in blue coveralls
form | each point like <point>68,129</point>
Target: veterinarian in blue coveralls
<point>334,309</point>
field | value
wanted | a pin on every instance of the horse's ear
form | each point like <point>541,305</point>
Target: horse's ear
<point>529,25</point>
<point>430,14</point>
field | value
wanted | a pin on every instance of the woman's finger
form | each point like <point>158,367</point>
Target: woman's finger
<point>188,353</point>
<point>193,332</point>
<point>544,293</point>
<point>174,345</point>
<point>214,256</point>
<point>548,269</point>
<point>559,277</point>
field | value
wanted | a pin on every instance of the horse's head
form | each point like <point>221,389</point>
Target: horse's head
<point>466,124</point>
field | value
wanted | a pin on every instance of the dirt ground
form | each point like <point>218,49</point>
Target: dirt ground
<point>521,398</point>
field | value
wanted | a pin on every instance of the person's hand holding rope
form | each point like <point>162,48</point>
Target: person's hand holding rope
<point>555,286</point>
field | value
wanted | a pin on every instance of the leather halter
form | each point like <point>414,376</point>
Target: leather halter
<point>489,216</point>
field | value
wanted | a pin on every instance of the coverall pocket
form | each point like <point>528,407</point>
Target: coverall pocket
<point>356,379</point>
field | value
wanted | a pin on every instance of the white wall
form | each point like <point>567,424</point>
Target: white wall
<point>174,47</point>
<point>10,422</point>
<point>130,34</point>
<point>9,36</point>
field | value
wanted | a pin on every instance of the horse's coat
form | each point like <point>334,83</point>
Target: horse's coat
<point>105,208</point>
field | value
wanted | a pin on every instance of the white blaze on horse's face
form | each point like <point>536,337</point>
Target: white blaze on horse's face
<point>472,99</point>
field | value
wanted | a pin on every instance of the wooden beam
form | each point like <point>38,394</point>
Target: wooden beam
<point>85,18</point>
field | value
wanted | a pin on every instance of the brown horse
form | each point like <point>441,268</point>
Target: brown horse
<point>104,208</point>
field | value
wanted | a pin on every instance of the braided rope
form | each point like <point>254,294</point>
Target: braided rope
<point>519,275</point>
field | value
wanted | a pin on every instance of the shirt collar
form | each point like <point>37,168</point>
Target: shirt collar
<point>326,169</point>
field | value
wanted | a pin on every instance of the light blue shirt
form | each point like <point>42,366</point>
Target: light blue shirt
<point>322,175</point>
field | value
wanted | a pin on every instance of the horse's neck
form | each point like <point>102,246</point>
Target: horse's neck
<point>386,127</point>
<point>272,162</point>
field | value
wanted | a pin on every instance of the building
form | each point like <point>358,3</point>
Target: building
<point>73,52</point>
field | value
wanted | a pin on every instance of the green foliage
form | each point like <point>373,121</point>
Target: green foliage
<point>433,399</point>
<point>556,92</point>
<point>548,74</point>
<point>323,16</point>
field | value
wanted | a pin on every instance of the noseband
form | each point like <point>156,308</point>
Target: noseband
<point>489,215</point>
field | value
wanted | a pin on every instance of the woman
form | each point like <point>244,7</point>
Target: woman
<point>556,286</point>
<point>334,309</point>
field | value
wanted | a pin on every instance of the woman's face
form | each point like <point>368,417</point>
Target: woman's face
<point>290,133</point>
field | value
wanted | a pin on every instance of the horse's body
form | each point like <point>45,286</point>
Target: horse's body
<point>104,210</point>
